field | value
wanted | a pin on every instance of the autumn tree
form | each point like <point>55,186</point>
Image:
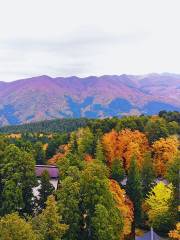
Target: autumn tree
<point>164,151</point>
<point>110,145</point>
<point>124,145</point>
<point>12,227</point>
<point>175,234</point>
<point>159,207</point>
<point>48,224</point>
<point>134,191</point>
<point>132,143</point>
<point>125,206</point>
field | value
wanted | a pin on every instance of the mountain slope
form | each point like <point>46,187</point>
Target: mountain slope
<point>43,97</point>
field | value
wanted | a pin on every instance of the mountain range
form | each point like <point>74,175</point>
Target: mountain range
<point>44,97</point>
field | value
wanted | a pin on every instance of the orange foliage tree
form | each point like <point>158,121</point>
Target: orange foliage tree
<point>64,149</point>
<point>164,152</point>
<point>175,234</point>
<point>110,145</point>
<point>124,145</point>
<point>125,206</point>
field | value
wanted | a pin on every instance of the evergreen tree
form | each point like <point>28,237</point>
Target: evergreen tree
<point>95,190</point>
<point>99,154</point>
<point>39,153</point>
<point>117,170</point>
<point>148,174</point>
<point>68,197</point>
<point>134,190</point>
<point>102,222</point>
<point>46,189</point>
<point>48,224</point>
<point>173,172</point>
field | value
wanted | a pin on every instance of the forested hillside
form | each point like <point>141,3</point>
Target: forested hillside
<point>44,98</point>
<point>69,125</point>
<point>117,178</point>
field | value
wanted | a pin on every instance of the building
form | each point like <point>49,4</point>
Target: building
<point>53,174</point>
<point>151,235</point>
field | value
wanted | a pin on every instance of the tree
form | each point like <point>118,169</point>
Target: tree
<point>40,154</point>
<point>159,207</point>
<point>134,190</point>
<point>46,189</point>
<point>110,146</point>
<point>125,206</point>
<point>175,234</point>
<point>102,223</point>
<point>132,143</point>
<point>68,197</point>
<point>99,154</point>
<point>47,224</point>
<point>95,190</point>
<point>12,227</point>
<point>117,170</point>
<point>164,152</point>
<point>18,180</point>
<point>148,174</point>
<point>156,128</point>
<point>124,145</point>
<point>173,175</point>
<point>85,141</point>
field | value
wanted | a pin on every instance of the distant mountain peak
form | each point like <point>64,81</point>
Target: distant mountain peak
<point>43,97</point>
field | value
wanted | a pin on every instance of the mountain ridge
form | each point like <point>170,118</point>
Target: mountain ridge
<point>43,97</point>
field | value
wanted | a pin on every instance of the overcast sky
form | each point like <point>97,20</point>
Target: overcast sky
<point>88,37</point>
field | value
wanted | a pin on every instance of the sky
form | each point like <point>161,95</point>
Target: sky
<point>88,37</point>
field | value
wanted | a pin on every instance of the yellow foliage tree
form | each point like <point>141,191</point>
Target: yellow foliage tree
<point>13,227</point>
<point>158,205</point>
<point>164,150</point>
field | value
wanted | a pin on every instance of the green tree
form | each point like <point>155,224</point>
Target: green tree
<point>48,224</point>
<point>102,223</point>
<point>39,154</point>
<point>117,170</point>
<point>173,176</point>
<point>95,190</point>
<point>156,129</point>
<point>85,141</point>
<point>46,189</point>
<point>148,174</point>
<point>68,197</point>
<point>12,227</point>
<point>134,190</point>
<point>99,154</point>
<point>18,180</point>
